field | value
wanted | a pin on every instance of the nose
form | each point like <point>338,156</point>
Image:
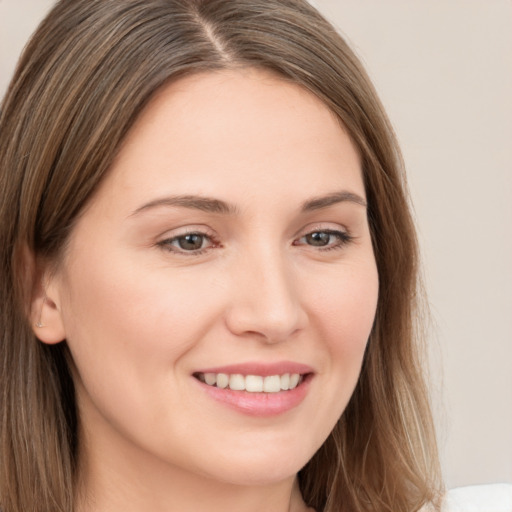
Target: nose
<point>265,302</point>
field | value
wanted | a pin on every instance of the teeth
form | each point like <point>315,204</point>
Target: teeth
<point>222,380</point>
<point>252,383</point>
<point>237,382</point>
<point>272,384</point>
<point>210,379</point>
<point>294,380</point>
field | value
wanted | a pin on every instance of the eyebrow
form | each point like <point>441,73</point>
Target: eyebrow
<point>212,205</point>
<point>205,204</point>
<point>317,203</point>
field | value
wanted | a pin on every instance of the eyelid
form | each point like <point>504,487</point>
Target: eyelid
<point>343,234</point>
<point>165,242</point>
<point>330,227</point>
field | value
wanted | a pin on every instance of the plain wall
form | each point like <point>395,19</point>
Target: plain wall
<point>444,73</point>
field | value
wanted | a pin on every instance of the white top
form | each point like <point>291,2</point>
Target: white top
<point>479,498</point>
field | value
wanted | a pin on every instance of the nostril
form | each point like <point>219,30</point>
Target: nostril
<point>270,326</point>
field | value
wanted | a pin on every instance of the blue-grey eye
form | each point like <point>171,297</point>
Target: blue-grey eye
<point>319,238</point>
<point>190,242</point>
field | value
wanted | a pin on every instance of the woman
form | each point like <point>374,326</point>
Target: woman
<point>209,270</point>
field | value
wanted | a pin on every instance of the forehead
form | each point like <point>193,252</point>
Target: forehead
<point>233,127</point>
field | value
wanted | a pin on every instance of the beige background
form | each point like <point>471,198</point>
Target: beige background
<point>444,72</point>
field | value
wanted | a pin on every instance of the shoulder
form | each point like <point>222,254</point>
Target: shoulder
<point>479,498</point>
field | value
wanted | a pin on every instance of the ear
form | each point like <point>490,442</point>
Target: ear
<point>45,311</point>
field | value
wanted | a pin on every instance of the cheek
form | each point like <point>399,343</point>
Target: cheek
<point>344,313</point>
<point>127,324</point>
<point>129,330</point>
<point>131,302</point>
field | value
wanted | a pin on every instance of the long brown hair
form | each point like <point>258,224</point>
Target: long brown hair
<point>87,73</point>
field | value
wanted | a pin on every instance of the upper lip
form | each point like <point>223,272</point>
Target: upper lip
<point>260,368</point>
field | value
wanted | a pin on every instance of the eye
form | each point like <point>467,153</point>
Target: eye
<point>318,238</point>
<point>192,243</point>
<point>325,239</point>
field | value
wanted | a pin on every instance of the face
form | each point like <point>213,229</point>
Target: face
<point>218,292</point>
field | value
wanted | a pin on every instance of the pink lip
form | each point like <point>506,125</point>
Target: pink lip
<point>258,368</point>
<point>260,404</point>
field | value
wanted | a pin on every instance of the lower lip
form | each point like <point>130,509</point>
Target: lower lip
<point>259,404</point>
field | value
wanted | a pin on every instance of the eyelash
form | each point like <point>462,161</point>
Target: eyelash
<point>343,239</point>
<point>167,243</point>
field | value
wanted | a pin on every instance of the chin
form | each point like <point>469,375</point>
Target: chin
<point>251,476</point>
<point>260,469</point>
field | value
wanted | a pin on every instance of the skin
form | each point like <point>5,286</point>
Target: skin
<point>141,314</point>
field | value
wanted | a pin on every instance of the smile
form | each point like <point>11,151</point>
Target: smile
<point>252,383</point>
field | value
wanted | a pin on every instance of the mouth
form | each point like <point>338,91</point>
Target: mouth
<point>252,383</point>
<point>257,389</point>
